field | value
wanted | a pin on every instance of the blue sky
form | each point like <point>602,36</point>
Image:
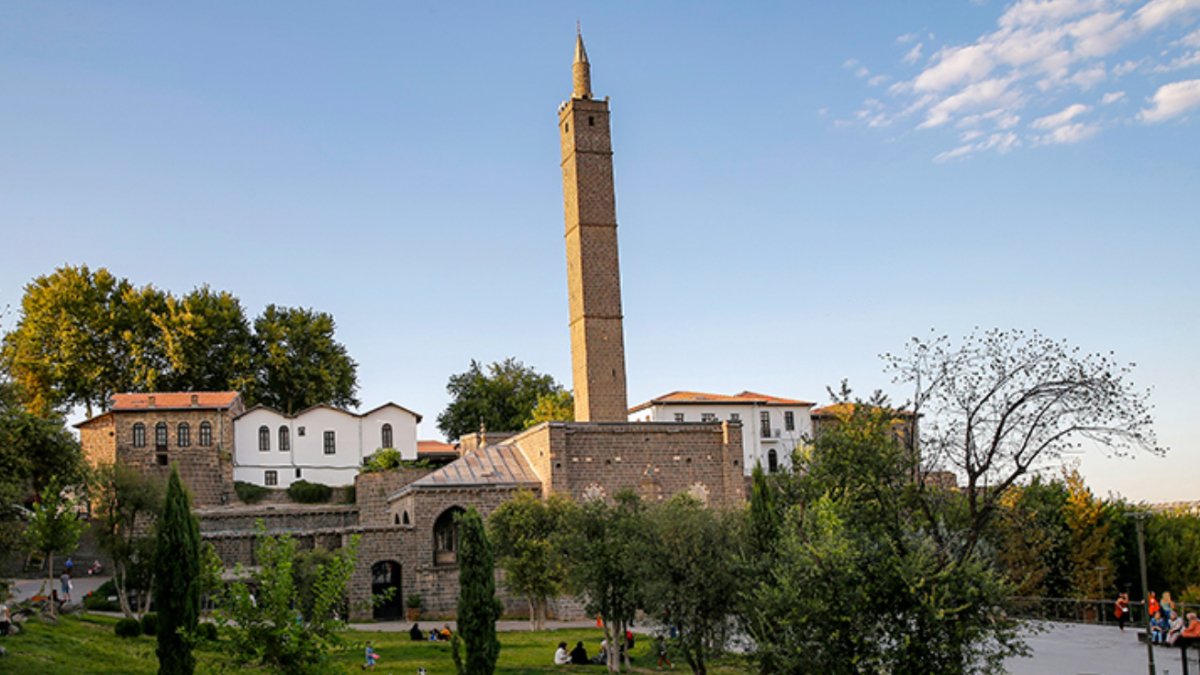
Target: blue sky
<point>800,188</point>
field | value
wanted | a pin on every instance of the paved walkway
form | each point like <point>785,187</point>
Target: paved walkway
<point>23,589</point>
<point>1072,649</point>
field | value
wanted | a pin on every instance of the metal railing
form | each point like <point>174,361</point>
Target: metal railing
<point>1074,610</point>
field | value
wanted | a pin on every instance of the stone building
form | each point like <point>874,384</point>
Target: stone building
<point>193,430</point>
<point>404,519</point>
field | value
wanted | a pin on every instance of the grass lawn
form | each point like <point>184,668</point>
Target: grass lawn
<point>87,644</point>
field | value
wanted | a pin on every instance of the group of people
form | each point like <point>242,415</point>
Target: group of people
<point>435,634</point>
<point>579,656</point>
<point>1167,624</point>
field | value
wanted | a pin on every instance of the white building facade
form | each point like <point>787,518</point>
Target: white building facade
<point>321,444</point>
<point>772,427</point>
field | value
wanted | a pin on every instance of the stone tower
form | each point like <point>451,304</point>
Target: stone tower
<point>593,271</point>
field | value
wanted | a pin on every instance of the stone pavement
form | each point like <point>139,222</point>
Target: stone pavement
<point>1073,649</point>
<point>24,589</point>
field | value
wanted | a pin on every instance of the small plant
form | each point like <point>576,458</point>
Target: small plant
<point>150,623</point>
<point>128,628</point>
<point>350,495</point>
<point>207,631</point>
<point>385,459</point>
<point>97,602</point>
<point>305,492</point>
<point>413,601</point>
<point>249,492</point>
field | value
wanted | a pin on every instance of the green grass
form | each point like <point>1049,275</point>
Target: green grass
<point>87,644</point>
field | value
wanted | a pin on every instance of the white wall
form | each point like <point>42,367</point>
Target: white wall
<point>755,447</point>
<point>355,437</point>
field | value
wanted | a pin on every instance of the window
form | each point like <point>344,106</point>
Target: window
<point>270,478</point>
<point>160,436</point>
<point>183,434</point>
<point>205,434</point>
<point>789,420</point>
<point>445,537</point>
<point>285,443</point>
<point>678,417</point>
<point>735,417</point>
<point>386,436</point>
<point>772,461</point>
<point>264,439</point>
<point>300,431</point>
<point>764,419</point>
<point>591,121</point>
<point>139,435</point>
<point>330,442</point>
<point>297,472</point>
<point>708,417</point>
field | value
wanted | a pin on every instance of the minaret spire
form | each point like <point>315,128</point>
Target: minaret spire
<point>581,70</point>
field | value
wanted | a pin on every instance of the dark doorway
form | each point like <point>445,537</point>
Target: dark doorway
<point>385,575</point>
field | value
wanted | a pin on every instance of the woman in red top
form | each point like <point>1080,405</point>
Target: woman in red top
<point>1122,610</point>
<point>1152,606</point>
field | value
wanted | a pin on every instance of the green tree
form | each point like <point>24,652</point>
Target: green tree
<point>62,352</point>
<point>298,363</point>
<point>32,449</point>
<point>1172,540</point>
<point>1032,539</point>
<point>869,575</point>
<point>690,574</point>
<point>1092,540</point>
<point>765,517</point>
<point>501,397</point>
<point>207,342</point>
<point>278,625</point>
<point>53,527</point>
<point>478,607</point>
<point>555,406</point>
<point>127,502</point>
<point>603,545</point>
<point>525,532</point>
<point>177,579</point>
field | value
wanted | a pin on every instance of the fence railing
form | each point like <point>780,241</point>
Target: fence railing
<point>1074,610</point>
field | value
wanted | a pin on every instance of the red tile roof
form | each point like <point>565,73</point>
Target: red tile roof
<point>435,448</point>
<point>699,397</point>
<point>173,400</point>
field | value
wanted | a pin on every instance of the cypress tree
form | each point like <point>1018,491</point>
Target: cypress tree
<point>765,520</point>
<point>478,608</point>
<point>177,580</point>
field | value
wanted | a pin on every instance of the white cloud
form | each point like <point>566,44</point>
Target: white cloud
<point>1192,39</point>
<point>1000,142</point>
<point>1112,97</point>
<point>878,80</point>
<point>1061,117</point>
<point>1172,100</point>
<point>954,66</point>
<point>978,95</point>
<point>1087,78</point>
<point>906,38</point>
<point>1157,12</point>
<point>1068,133</point>
<point>913,55</point>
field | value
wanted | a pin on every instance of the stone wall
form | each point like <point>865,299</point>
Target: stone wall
<point>207,471</point>
<point>97,440</point>
<point>372,491</point>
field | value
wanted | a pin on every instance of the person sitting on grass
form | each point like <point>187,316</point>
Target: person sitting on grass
<point>416,634</point>
<point>579,655</point>
<point>445,633</point>
<point>561,657</point>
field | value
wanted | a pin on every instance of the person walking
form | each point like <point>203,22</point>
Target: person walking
<point>65,585</point>
<point>1121,611</point>
<point>661,644</point>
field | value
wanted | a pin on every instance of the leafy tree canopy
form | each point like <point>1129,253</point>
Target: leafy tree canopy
<point>501,396</point>
<point>298,363</point>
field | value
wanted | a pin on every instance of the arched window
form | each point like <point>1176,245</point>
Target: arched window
<point>386,437</point>
<point>160,436</point>
<point>405,520</point>
<point>285,442</point>
<point>205,434</point>
<point>445,537</point>
<point>264,439</point>
<point>772,461</point>
<point>183,434</point>
<point>396,518</point>
<point>139,435</point>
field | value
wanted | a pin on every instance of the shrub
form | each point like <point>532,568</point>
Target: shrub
<point>207,631</point>
<point>249,492</point>
<point>385,459</point>
<point>128,628</point>
<point>106,589</point>
<point>305,492</point>
<point>150,623</point>
<point>413,601</point>
<point>97,602</point>
<point>350,496</point>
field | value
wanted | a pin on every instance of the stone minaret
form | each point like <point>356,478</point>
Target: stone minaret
<point>593,272</point>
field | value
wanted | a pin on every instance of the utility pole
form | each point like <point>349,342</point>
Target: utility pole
<point>1139,517</point>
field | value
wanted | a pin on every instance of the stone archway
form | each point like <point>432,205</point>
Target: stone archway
<point>385,576</point>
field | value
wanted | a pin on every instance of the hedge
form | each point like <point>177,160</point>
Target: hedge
<point>305,492</point>
<point>249,492</point>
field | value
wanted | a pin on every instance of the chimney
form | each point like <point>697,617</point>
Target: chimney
<point>195,400</point>
<point>150,401</point>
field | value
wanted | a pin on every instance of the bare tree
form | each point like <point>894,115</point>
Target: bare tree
<point>1000,404</point>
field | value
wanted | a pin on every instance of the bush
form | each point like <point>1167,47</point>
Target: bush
<point>413,601</point>
<point>350,496</point>
<point>150,623</point>
<point>98,602</point>
<point>207,631</point>
<point>106,589</point>
<point>385,459</point>
<point>305,492</point>
<point>128,628</point>
<point>249,492</point>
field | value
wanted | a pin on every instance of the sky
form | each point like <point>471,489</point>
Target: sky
<point>801,187</point>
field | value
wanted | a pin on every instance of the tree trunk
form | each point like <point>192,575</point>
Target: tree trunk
<point>50,578</point>
<point>610,657</point>
<point>122,595</point>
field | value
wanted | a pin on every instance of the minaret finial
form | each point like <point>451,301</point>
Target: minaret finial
<point>581,70</point>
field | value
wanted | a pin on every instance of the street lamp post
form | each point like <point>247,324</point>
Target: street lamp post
<point>1139,517</point>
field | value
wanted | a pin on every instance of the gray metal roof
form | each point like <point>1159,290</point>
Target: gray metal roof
<point>494,466</point>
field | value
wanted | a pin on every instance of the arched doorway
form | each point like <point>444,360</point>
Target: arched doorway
<point>445,537</point>
<point>385,575</point>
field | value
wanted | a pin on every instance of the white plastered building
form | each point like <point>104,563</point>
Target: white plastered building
<point>772,427</point>
<point>321,444</point>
